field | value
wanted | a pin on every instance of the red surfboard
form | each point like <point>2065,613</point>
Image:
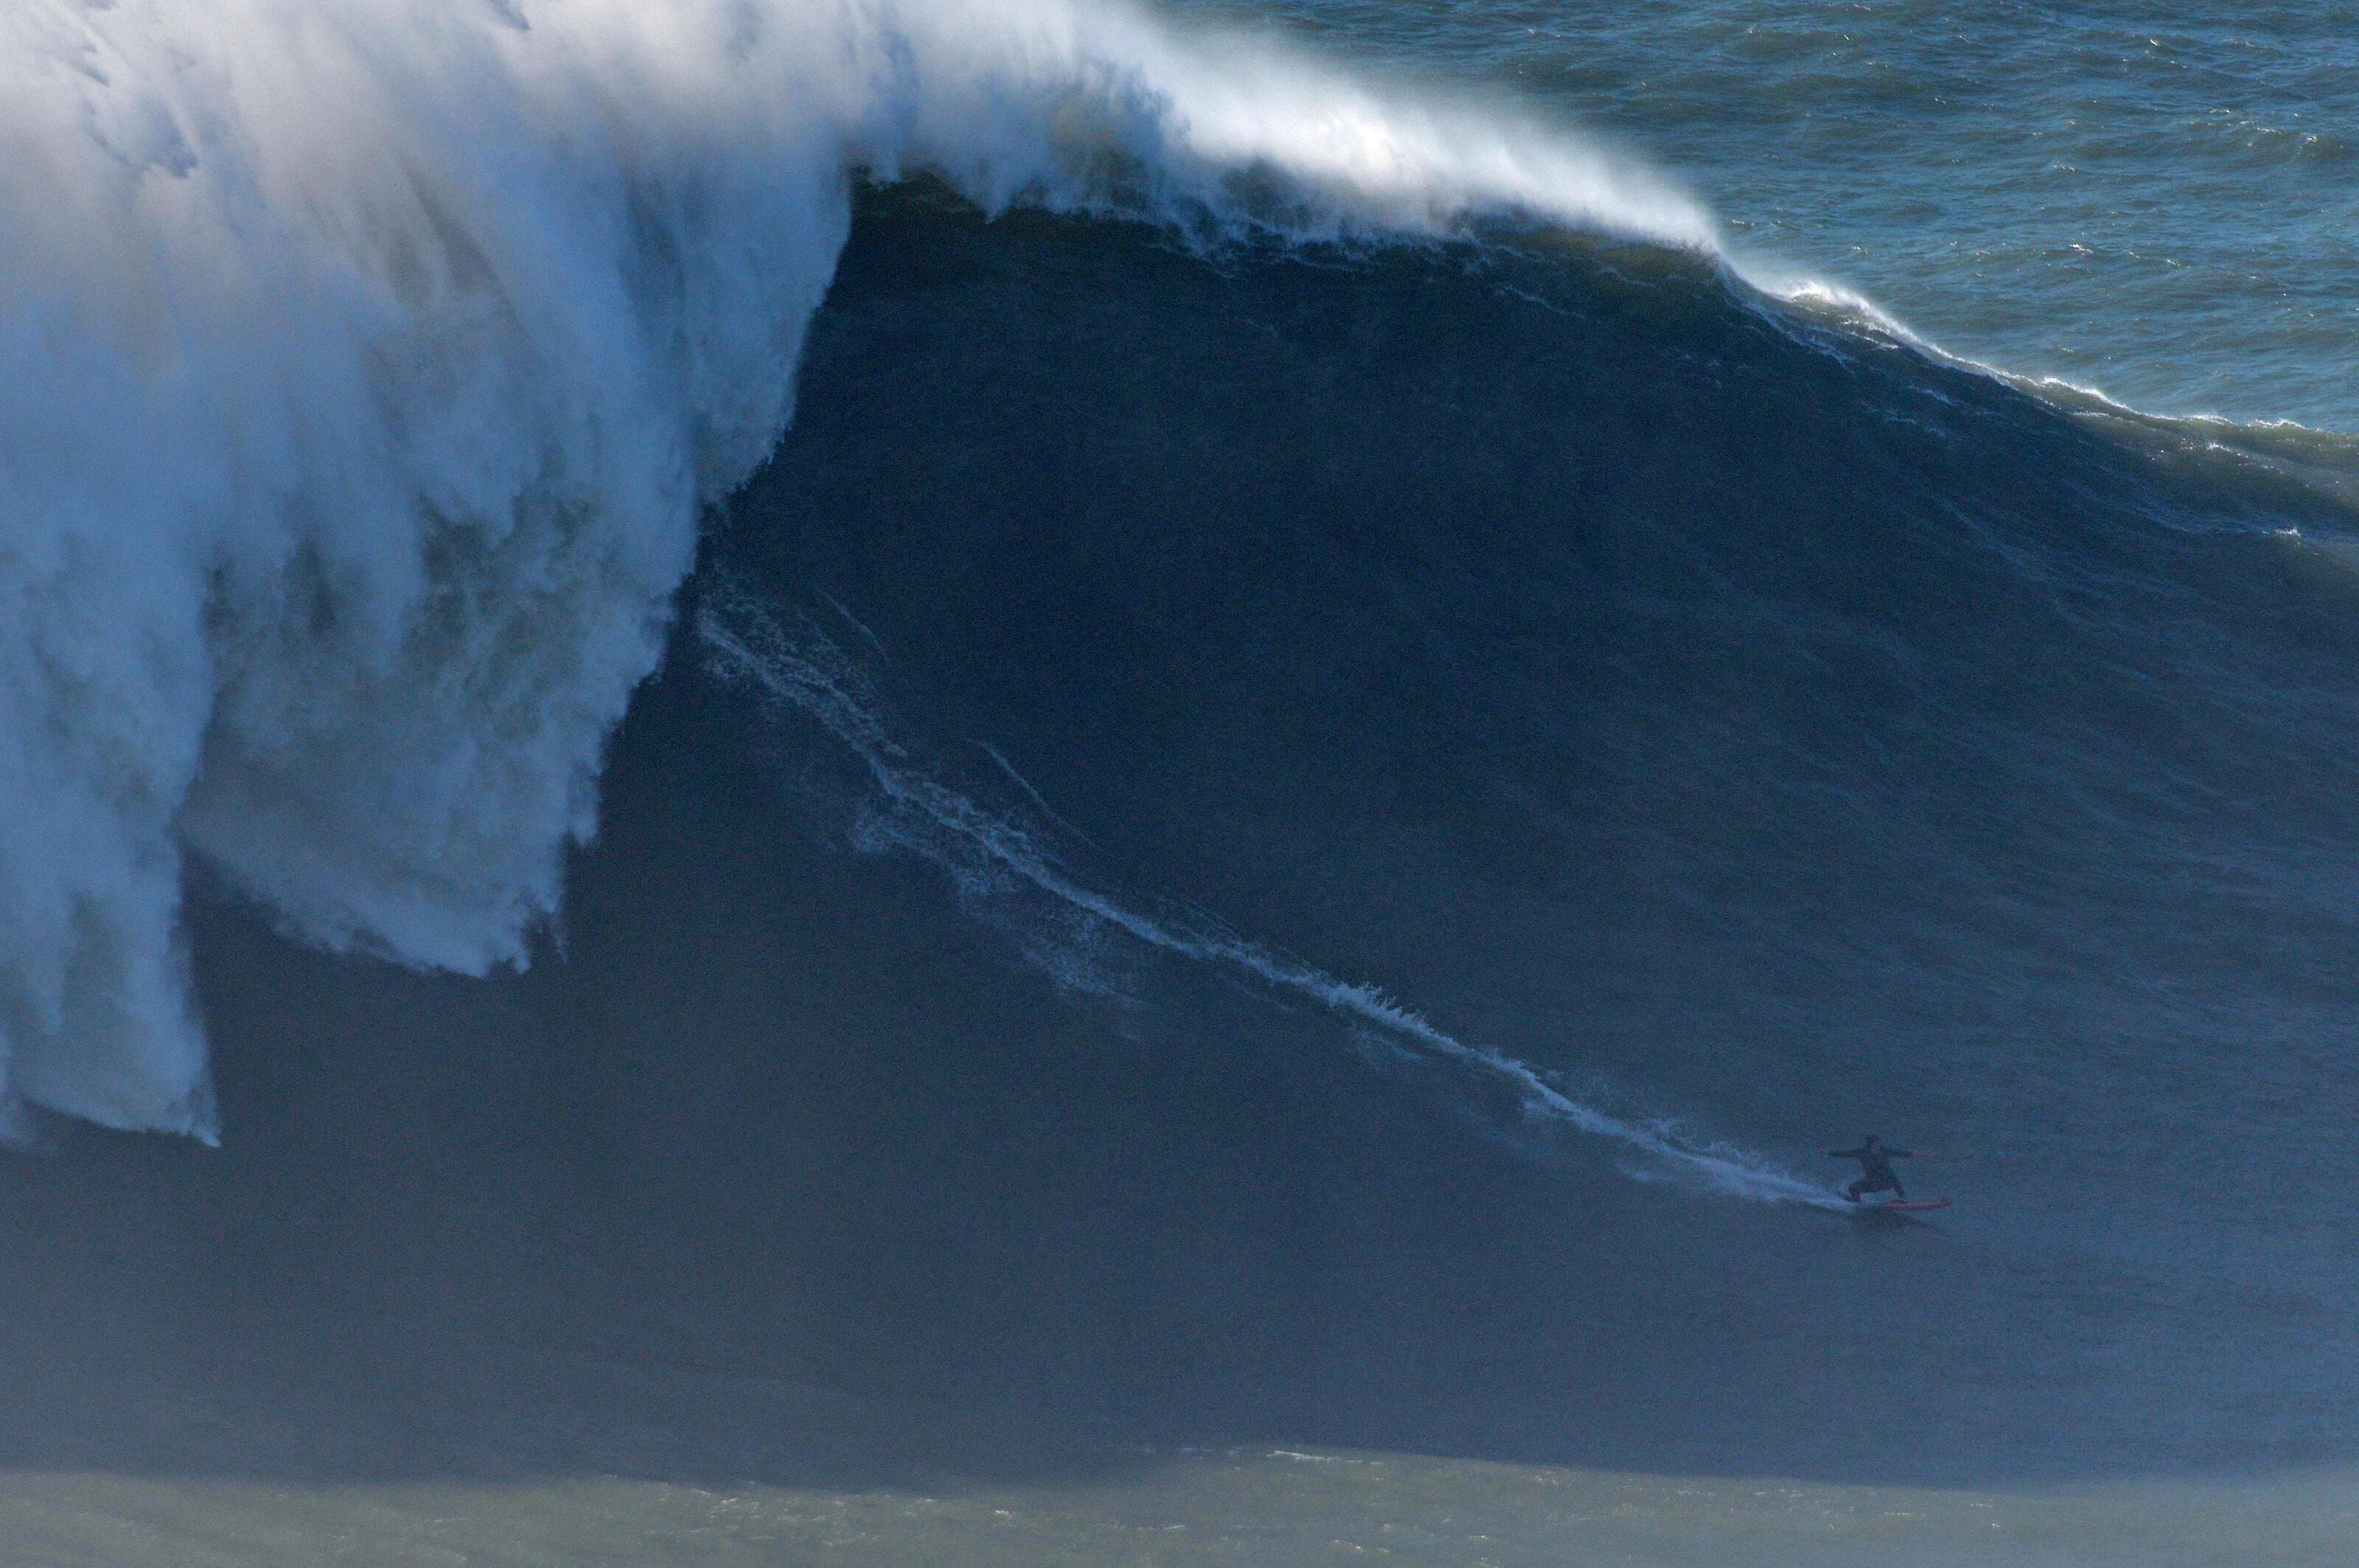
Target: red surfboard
<point>1918,1208</point>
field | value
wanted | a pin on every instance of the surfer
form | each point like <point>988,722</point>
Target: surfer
<point>1875,1174</point>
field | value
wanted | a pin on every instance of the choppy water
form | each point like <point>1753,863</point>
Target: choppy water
<point>1392,660</point>
<point>2157,204</point>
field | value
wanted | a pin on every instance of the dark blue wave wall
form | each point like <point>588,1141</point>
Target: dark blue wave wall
<point>1562,636</point>
<point>1765,730</point>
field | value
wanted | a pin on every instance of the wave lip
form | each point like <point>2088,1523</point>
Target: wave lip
<point>2324,460</point>
<point>362,373</point>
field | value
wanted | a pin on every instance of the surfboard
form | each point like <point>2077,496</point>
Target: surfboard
<point>1920,1206</point>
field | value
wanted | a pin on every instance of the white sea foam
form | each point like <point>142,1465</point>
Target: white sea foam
<point>364,366</point>
<point>796,668</point>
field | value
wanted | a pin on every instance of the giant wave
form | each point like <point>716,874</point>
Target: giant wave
<point>1746,727</point>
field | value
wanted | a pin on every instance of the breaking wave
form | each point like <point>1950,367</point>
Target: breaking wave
<point>364,372</point>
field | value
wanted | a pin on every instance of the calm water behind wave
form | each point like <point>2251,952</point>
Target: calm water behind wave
<point>2159,202</point>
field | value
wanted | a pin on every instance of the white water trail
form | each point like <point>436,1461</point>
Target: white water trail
<point>805,671</point>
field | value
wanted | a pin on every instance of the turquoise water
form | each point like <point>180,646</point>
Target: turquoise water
<point>2159,204</point>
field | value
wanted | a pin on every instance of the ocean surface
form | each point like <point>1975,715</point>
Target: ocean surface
<point>1005,781</point>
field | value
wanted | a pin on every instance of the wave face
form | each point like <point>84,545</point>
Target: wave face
<point>366,372</point>
<point>798,669</point>
<point>1647,686</point>
<point>1752,734</point>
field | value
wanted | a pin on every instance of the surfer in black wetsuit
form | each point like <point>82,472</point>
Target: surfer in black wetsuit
<point>1876,1168</point>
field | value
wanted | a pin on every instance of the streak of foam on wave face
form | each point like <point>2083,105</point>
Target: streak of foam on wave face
<point>797,668</point>
<point>363,369</point>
